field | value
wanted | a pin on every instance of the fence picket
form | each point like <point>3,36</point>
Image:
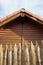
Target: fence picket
<point>15,55</point>
<point>1,54</point>
<point>33,54</point>
<point>10,55</point>
<point>38,54</point>
<point>26,55</point>
<point>5,55</point>
<point>21,54</point>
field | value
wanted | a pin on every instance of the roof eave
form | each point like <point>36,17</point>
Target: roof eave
<point>21,13</point>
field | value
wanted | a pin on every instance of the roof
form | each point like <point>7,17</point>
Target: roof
<point>22,12</point>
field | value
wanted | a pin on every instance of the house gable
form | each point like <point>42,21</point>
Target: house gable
<point>21,13</point>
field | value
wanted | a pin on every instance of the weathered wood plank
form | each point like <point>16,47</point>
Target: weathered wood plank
<point>1,54</point>
<point>33,54</point>
<point>15,55</point>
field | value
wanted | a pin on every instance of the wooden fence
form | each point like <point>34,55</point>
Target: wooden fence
<point>20,54</point>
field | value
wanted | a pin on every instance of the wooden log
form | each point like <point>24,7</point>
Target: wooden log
<point>19,54</point>
<point>22,54</point>
<point>1,54</point>
<point>5,55</point>
<point>26,55</point>
<point>38,53</point>
<point>15,55</point>
<point>10,55</point>
<point>33,54</point>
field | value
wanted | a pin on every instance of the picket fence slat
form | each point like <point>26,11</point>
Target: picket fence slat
<point>1,55</point>
<point>20,54</point>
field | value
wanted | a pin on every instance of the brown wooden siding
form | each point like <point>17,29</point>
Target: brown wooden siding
<point>22,28</point>
<point>31,32</point>
<point>10,35</point>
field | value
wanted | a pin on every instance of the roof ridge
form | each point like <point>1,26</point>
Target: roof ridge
<point>22,10</point>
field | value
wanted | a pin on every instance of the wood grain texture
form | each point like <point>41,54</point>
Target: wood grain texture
<point>19,28</point>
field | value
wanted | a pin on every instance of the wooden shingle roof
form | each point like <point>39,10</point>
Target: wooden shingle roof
<point>22,12</point>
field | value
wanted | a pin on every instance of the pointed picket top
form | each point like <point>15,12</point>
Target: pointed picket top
<point>26,47</point>
<point>15,49</point>
<point>15,55</point>
<point>19,53</point>
<point>26,54</point>
<point>33,54</point>
<point>6,47</point>
<point>32,46</point>
<point>5,55</point>
<point>26,44</point>
<point>15,46</point>
<point>38,53</point>
<point>37,46</point>
<point>10,55</point>
<point>31,43</point>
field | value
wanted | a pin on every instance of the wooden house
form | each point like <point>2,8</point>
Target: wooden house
<point>21,25</point>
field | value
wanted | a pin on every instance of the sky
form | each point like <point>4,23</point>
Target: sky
<point>10,6</point>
